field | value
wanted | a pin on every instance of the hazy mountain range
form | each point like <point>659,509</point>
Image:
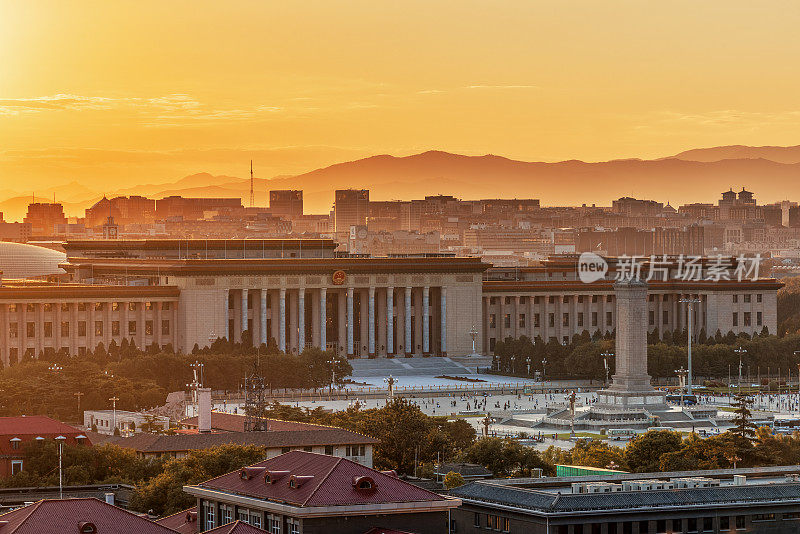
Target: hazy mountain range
<point>698,175</point>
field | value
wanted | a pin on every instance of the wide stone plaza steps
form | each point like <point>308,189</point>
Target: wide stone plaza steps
<point>418,367</point>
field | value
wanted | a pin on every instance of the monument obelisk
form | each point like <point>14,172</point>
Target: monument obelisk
<point>630,388</point>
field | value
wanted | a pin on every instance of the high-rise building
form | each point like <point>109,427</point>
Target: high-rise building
<point>350,208</point>
<point>286,203</point>
<point>43,218</point>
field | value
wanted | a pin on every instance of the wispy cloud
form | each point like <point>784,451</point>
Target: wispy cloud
<point>171,109</point>
<point>729,119</point>
<point>475,87</point>
<point>58,102</point>
<point>501,87</point>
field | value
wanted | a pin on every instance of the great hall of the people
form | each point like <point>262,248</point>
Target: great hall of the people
<point>297,293</point>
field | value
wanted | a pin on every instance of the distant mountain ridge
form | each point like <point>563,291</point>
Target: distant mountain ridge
<point>779,154</point>
<point>697,175</point>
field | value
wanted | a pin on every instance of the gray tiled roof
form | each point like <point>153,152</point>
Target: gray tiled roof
<point>547,502</point>
<point>154,443</point>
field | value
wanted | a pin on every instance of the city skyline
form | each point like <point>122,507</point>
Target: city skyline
<point>175,90</point>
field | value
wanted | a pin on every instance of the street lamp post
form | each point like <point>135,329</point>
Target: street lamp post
<point>332,363</point>
<point>681,381</point>
<point>606,356</point>
<point>740,351</point>
<point>390,381</point>
<point>198,371</point>
<point>572,398</point>
<point>544,372</point>
<point>487,421</point>
<point>60,440</point>
<point>78,395</point>
<point>473,333</point>
<point>689,321</point>
<point>114,408</point>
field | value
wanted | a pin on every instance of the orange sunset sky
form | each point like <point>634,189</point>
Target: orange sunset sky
<point>112,94</point>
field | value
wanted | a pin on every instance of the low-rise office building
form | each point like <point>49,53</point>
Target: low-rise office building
<point>17,432</point>
<point>125,422</point>
<point>336,442</point>
<point>306,493</point>
<point>765,500</point>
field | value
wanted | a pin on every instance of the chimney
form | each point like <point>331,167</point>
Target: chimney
<point>109,498</point>
<point>204,410</point>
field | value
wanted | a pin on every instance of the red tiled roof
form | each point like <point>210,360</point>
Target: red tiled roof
<point>231,422</point>
<point>64,517</point>
<point>237,527</point>
<point>34,425</point>
<point>184,522</point>
<point>324,481</point>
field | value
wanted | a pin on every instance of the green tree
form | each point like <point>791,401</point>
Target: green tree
<point>596,453</point>
<point>163,494</point>
<point>453,480</point>
<point>743,425</point>
<point>643,453</point>
<point>505,457</point>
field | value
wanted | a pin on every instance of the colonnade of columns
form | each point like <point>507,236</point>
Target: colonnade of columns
<point>562,316</point>
<point>373,321</point>
<point>31,328</point>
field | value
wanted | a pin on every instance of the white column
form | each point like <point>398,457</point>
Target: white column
<point>263,312</point>
<point>323,318</point>
<point>371,321</point>
<point>244,310</point>
<point>301,319</point>
<point>409,344</point>
<point>282,325</point>
<point>226,319</point>
<point>426,327</point>
<point>350,351</point>
<point>390,320</point>
<point>444,321</point>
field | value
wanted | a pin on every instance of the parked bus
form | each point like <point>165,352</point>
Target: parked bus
<point>618,434</point>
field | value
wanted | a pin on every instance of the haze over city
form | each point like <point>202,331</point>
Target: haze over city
<point>123,96</point>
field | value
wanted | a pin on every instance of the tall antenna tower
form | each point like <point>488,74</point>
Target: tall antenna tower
<point>252,193</point>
